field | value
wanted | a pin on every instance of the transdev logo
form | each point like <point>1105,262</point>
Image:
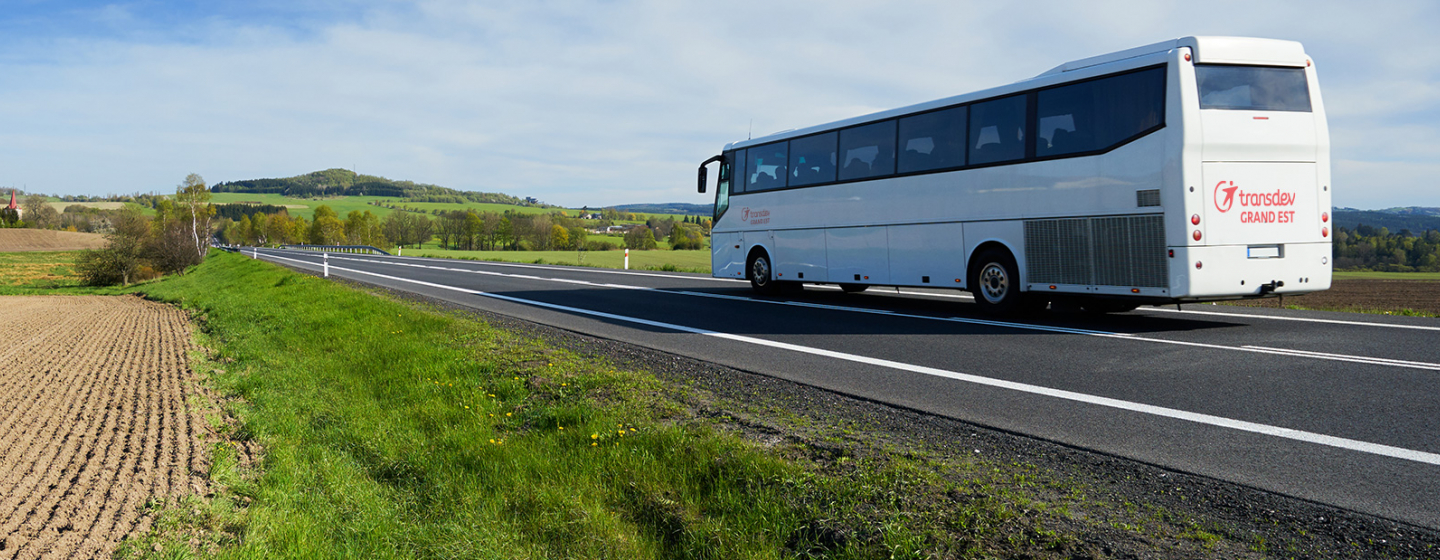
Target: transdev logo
<point>745,214</point>
<point>1229,200</point>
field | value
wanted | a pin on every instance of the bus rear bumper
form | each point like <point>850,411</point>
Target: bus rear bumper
<point>1247,271</point>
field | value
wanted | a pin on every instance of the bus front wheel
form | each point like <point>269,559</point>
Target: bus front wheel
<point>761,277</point>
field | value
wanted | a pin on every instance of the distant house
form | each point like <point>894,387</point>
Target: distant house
<point>14,206</point>
<point>532,200</point>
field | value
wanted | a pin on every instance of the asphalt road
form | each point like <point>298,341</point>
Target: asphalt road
<point>1337,408</point>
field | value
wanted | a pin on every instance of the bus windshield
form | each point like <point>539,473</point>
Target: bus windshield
<point>1252,88</point>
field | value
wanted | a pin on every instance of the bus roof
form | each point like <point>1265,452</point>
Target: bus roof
<point>1207,50</point>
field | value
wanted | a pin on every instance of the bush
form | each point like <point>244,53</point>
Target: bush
<point>599,245</point>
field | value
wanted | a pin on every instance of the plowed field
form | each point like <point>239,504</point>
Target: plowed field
<point>96,420</point>
<point>22,239</point>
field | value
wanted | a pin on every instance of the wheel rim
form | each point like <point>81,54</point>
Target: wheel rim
<point>994,283</point>
<point>760,271</point>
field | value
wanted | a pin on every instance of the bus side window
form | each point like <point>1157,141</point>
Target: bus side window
<point>812,160</point>
<point>997,130</point>
<point>867,151</point>
<point>1099,114</point>
<point>934,140</point>
<point>737,175</point>
<point>766,167</point>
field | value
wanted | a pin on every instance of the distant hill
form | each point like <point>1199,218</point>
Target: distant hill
<point>668,208</point>
<point>344,182</point>
<point>1417,219</point>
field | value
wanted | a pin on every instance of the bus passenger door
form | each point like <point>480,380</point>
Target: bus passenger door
<point>727,255</point>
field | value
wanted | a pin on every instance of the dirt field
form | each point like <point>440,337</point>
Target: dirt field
<point>96,421</point>
<point>61,206</point>
<point>23,239</point>
<point>1368,295</point>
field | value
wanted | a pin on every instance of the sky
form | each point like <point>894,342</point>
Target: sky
<point>611,102</point>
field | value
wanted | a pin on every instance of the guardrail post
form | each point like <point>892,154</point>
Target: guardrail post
<point>627,258</point>
<point>326,258</point>
<point>254,252</point>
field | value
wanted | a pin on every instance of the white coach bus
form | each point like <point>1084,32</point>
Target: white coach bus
<point>1192,170</point>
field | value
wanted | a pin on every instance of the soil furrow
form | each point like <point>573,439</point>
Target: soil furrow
<point>99,419</point>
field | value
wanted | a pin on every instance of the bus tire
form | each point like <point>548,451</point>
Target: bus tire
<point>853,288</point>
<point>995,282</point>
<point>761,274</point>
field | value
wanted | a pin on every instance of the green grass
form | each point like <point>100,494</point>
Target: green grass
<point>44,273</point>
<point>391,431</point>
<point>661,259</point>
<point>1370,275</point>
<point>36,271</point>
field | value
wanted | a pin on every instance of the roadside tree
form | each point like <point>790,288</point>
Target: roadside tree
<point>686,237</point>
<point>640,238</point>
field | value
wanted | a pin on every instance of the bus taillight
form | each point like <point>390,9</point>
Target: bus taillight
<point>1324,216</point>
<point>1324,232</point>
<point>1197,235</point>
<point>1195,219</point>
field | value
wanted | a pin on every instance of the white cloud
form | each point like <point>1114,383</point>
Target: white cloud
<point>603,103</point>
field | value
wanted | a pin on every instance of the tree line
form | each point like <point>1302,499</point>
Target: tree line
<point>1370,248</point>
<point>344,182</point>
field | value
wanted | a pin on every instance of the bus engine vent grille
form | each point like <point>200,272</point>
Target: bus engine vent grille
<point>1147,198</point>
<point>1124,251</point>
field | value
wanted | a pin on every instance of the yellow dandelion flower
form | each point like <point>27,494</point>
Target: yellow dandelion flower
<point>507,413</point>
<point>562,427</point>
<point>594,436</point>
<point>632,429</point>
<point>467,406</point>
<point>593,444</point>
<point>492,441</point>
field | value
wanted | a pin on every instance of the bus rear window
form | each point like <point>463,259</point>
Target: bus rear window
<point>1252,88</point>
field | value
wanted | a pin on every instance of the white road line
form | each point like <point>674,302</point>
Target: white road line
<point>1387,362</point>
<point>1300,319</point>
<point>574,268</point>
<point>1205,419</point>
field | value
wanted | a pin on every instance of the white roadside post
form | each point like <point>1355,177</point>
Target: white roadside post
<point>326,258</point>
<point>254,252</point>
<point>627,258</point>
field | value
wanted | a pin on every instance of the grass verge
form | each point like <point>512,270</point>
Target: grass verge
<point>666,260</point>
<point>393,430</point>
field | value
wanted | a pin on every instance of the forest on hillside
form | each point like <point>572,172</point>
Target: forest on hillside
<point>1371,248</point>
<point>344,182</point>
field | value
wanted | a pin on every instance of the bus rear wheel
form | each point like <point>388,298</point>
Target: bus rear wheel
<point>995,282</point>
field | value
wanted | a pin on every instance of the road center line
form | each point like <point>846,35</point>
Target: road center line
<point>1205,419</point>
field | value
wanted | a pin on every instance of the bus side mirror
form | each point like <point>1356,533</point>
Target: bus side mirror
<point>704,173</point>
